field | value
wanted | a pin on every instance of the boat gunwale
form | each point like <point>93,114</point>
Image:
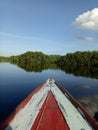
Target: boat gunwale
<point>78,106</point>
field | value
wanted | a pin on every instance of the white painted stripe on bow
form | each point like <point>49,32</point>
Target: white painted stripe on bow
<point>25,118</point>
<point>71,114</point>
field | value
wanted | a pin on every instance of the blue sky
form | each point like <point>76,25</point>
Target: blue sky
<point>50,26</point>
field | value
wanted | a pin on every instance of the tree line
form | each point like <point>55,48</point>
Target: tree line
<point>32,61</point>
<point>84,62</point>
<point>79,59</point>
<point>31,58</point>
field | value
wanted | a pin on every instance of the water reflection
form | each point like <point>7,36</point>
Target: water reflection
<point>36,67</point>
<point>96,116</point>
<point>88,97</point>
<point>91,104</point>
<point>81,71</point>
<point>84,71</point>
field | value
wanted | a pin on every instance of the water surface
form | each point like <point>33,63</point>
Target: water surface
<point>16,84</point>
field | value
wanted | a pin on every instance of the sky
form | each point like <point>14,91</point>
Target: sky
<point>49,26</point>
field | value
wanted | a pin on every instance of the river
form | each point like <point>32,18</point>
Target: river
<point>16,84</point>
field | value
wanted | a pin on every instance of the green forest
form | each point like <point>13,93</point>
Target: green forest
<point>33,61</point>
<point>78,63</point>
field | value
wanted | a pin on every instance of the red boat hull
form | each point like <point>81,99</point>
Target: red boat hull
<point>49,107</point>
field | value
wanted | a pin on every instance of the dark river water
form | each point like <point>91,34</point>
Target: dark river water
<point>16,84</point>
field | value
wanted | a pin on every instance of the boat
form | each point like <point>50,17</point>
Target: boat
<point>50,107</point>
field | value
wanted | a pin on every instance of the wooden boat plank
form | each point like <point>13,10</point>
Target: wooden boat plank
<point>50,116</point>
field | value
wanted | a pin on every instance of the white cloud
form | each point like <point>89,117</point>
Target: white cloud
<point>81,37</point>
<point>88,20</point>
